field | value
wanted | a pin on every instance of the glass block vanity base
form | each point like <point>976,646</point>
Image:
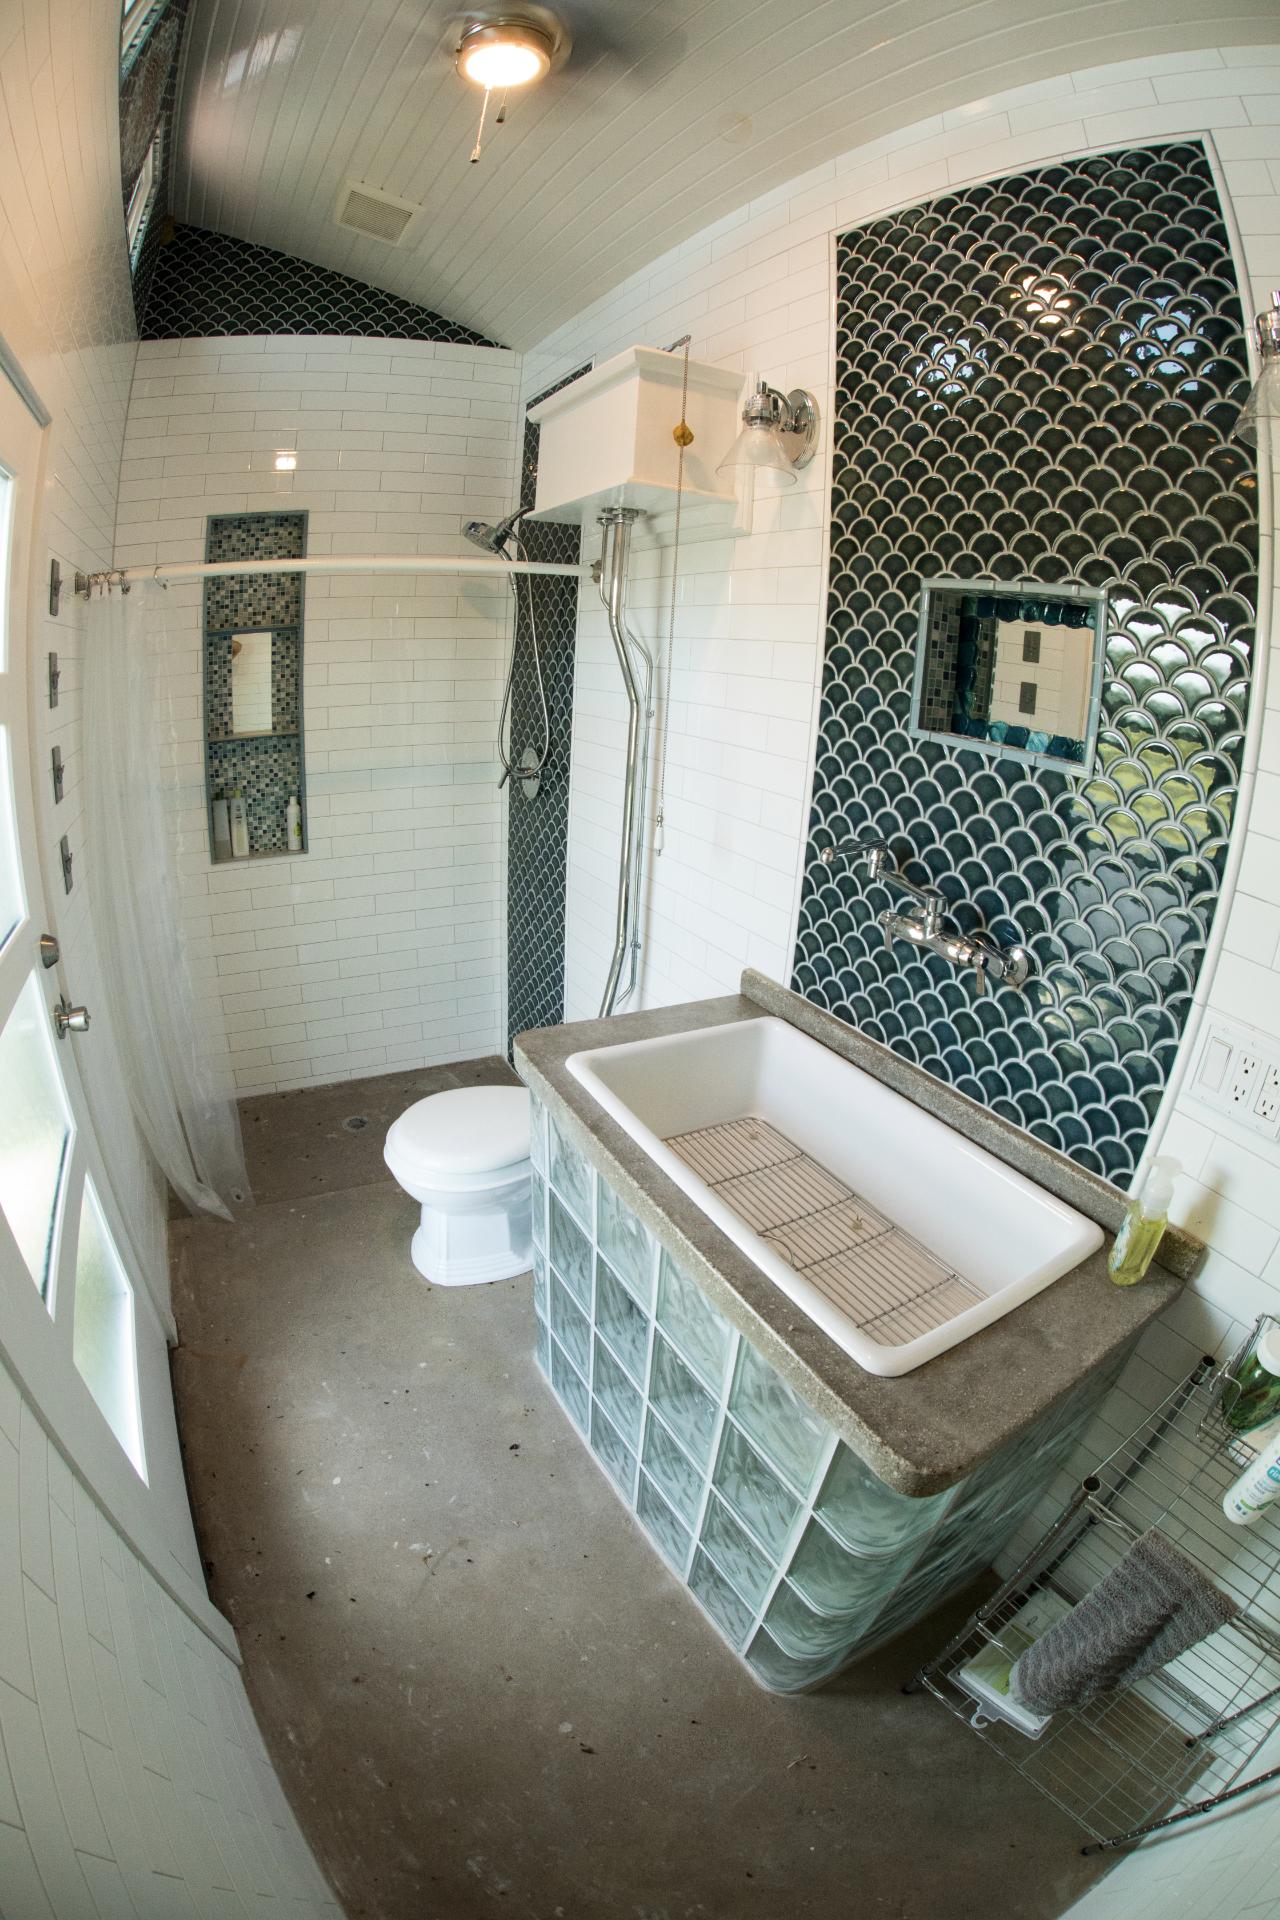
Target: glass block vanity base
<point>798,1554</point>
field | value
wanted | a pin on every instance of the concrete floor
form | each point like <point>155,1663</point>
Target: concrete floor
<point>482,1688</point>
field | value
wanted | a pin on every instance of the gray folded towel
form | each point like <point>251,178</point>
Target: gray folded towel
<point>1152,1606</point>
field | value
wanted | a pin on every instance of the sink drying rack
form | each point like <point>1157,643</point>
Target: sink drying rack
<point>1136,1760</point>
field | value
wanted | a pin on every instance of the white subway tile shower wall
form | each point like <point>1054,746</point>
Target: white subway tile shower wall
<point>755,293</point>
<point>67,314</point>
<point>380,948</point>
<point>136,1778</point>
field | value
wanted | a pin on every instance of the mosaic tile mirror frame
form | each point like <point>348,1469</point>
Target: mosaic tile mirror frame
<point>1037,379</point>
<point>266,766</point>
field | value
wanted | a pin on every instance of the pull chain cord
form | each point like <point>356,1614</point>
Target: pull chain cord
<point>475,151</point>
<point>683,437</point>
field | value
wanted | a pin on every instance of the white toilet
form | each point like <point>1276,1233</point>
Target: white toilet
<point>464,1157</point>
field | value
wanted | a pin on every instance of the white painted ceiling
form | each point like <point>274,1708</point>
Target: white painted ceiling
<point>669,114</point>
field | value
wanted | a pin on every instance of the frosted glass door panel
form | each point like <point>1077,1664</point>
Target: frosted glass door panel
<point>103,1338</point>
<point>35,1132</point>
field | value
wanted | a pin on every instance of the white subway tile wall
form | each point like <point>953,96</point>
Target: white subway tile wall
<point>381,947</point>
<point>755,292</point>
<point>67,315</point>
<point>133,1778</point>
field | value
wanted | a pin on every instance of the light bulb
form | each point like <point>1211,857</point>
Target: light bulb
<point>503,56</point>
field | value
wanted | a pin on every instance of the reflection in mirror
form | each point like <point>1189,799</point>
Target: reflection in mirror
<point>251,683</point>
<point>1010,669</point>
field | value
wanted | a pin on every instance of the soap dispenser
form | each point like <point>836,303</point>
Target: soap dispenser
<point>1143,1225</point>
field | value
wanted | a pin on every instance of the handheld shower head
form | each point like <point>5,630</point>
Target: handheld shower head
<point>493,539</point>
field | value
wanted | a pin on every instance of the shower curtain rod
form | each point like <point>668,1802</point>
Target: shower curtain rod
<point>321,563</point>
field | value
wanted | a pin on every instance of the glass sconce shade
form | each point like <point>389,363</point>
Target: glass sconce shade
<point>1263,403</point>
<point>759,446</point>
<point>779,433</point>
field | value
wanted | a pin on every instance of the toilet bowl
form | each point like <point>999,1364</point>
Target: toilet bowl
<point>464,1157</point>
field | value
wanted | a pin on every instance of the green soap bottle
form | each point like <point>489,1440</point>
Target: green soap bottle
<point>1252,1400</point>
<point>1143,1224</point>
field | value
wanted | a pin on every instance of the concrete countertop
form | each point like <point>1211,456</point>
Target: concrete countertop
<point>923,1432</point>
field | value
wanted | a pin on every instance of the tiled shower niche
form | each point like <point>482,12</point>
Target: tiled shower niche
<point>267,766</point>
<point>796,1552</point>
<point>1037,379</point>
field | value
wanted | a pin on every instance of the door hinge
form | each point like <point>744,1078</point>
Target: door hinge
<point>55,761</point>
<point>55,675</point>
<point>64,853</point>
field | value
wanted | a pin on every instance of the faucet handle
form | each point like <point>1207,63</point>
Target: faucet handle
<point>980,962</point>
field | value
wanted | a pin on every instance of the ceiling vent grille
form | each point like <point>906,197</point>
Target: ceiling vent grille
<point>381,216</point>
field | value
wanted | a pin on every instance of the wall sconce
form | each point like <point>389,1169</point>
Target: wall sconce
<point>1264,401</point>
<point>779,433</point>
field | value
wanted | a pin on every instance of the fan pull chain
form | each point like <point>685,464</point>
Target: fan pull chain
<point>475,151</point>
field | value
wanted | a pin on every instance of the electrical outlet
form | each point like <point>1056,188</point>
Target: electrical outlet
<point>1246,1076</point>
<point>1266,1102</point>
<point>1237,1073</point>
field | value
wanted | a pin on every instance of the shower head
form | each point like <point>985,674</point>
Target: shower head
<point>493,539</point>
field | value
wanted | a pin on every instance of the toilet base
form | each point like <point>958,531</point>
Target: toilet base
<point>461,1245</point>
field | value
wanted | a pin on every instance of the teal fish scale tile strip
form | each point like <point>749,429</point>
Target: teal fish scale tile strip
<point>799,1556</point>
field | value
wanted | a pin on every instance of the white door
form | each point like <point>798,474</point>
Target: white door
<point>77,1330</point>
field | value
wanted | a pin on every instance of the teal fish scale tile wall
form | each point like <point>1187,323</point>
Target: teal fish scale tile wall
<point>1037,379</point>
<point>796,1552</point>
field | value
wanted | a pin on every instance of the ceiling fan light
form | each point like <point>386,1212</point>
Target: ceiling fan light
<point>504,54</point>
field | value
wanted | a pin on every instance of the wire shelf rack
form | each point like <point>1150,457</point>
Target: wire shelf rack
<point>1180,1741</point>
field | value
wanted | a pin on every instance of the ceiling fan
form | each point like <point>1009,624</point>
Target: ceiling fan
<point>502,49</point>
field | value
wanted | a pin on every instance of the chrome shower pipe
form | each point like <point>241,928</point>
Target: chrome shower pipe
<point>638,685</point>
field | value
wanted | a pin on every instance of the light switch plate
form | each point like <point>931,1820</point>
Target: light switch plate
<point>1237,1073</point>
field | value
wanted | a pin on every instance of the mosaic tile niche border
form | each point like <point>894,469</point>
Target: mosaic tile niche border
<point>1037,378</point>
<point>267,767</point>
<point>798,1555</point>
<point>538,827</point>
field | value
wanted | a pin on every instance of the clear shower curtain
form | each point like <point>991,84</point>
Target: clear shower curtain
<point>180,1096</point>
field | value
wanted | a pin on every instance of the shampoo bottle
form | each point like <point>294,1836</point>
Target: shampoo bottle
<point>293,825</point>
<point>239,825</point>
<point>1252,1399</point>
<point>1258,1485</point>
<point>1143,1224</point>
<point>221,828</point>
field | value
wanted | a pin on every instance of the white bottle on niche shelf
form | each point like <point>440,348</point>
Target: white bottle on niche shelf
<point>239,825</point>
<point>293,825</point>
<point>221,828</point>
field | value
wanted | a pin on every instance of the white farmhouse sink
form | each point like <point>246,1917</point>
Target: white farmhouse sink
<point>896,1235</point>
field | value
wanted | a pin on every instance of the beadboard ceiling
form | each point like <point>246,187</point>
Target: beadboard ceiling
<point>670,114</point>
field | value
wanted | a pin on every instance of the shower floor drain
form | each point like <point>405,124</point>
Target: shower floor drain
<point>356,1123</point>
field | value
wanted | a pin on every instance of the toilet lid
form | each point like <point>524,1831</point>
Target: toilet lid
<point>467,1130</point>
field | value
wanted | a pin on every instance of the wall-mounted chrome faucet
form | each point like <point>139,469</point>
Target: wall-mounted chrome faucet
<point>1007,966</point>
